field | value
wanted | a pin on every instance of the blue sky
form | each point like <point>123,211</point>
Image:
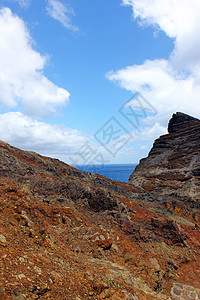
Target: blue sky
<point>67,67</point>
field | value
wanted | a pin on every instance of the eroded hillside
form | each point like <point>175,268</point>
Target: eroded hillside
<point>67,234</point>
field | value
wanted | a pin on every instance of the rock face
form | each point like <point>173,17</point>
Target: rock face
<point>67,234</point>
<point>172,167</point>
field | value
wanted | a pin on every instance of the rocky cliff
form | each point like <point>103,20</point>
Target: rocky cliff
<point>67,234</point>
<point>172,167</point>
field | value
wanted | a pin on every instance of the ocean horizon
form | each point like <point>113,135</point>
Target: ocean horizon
<point>117,172</point>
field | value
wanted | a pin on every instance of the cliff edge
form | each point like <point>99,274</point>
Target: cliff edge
<point>172,167</point>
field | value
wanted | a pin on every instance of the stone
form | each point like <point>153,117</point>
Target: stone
<point>192,296</point>
<point>100,200</point>
<point>37,269</point>
<point>155,263</point>
<point>22,260</point>
<point>2,238</point>
<point>189,288</point>
<point>104,294</point>
<point>20,276</point>
<point>186,293</point>
<point>178,285</point>
<point>18,297</point>
<point>176,292</point>
<point>102,240</point>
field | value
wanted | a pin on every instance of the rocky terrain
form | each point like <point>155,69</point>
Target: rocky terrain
<point>66,234</point>
<point>171,172</point>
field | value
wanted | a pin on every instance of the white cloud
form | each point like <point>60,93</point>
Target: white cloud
<point>179,20</point>
<point>52,140</point>
<point>60,12</point>
<point>167,92</point>
<point>169,85</point>
<point>21,71</point>
<point>23,3</point>
<point>174,17</point>
<point>151,133</point>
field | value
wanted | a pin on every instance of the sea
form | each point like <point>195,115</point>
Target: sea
<point>117,172</point>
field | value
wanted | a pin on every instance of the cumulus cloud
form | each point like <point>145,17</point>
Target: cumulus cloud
<point>60,12</point>
<point>179,20</point>
<point>52,140</point>
<point>22,82</point>
<point>173,17</point>
<point>166,90</point>
<point>171,84</point>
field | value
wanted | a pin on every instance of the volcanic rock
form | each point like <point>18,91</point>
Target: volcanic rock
<point>171,172</point>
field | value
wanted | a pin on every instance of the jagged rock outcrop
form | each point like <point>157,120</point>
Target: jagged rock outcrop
<point>172,168</point>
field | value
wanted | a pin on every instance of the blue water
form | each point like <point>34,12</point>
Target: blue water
<point>119,172</point>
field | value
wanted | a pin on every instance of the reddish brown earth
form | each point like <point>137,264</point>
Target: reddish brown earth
<point>67,234</point>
